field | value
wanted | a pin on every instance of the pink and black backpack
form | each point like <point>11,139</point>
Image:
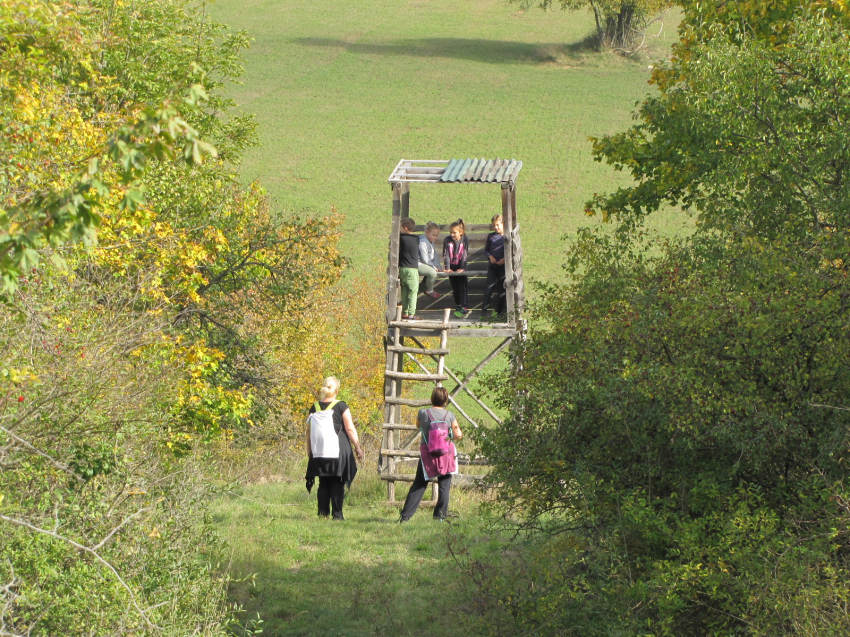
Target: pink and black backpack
<point>439,435</point>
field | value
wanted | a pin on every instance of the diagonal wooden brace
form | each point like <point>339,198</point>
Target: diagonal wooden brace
<point>462,384</point>
<point>451,398</point>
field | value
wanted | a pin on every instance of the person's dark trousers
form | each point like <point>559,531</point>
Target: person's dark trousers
<point>495,283</point>
<point>459,286</point>
<point>417,490</point>
<point>330,494</point>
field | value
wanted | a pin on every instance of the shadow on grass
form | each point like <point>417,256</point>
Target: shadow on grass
<point>380,596</point>
<point>478,50</point>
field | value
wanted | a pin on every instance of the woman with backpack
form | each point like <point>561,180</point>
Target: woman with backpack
<point>439,456</point>
<point>330,436</point>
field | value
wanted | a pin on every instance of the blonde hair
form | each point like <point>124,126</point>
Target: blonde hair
<point>431,226</point>
<point>408,223</point>
<point>496,218</point>
<point>329,388</point>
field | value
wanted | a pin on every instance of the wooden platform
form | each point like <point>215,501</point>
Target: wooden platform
<point>409,358</point>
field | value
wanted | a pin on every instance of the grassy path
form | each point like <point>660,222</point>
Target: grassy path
<point>342,92</point>
<point>366,576</point>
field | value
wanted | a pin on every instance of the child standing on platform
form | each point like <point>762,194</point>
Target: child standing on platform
<point>494,250</point>
<point>455,252</point>
<point>408,269</point>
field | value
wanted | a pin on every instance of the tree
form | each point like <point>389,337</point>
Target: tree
<point>154,309</point>
<point>620,24</point>
<point>678,446</point>
<point>747,126</point>
<point>63,164</point>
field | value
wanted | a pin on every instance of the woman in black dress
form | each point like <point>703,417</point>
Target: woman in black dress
<point>334,473</point>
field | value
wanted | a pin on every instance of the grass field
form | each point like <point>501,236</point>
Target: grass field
<point>366,576</point>
<point>341,93</point>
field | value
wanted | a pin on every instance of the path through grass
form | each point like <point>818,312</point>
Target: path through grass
<point>341,92</point>
<point>367,576</point>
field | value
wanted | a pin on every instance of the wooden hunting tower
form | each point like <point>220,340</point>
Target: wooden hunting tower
<point>398,448</point>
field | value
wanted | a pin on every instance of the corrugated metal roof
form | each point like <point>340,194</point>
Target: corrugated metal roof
<point>456,171</point>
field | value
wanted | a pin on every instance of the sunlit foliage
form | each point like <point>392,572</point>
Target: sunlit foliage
<point>154,309</point>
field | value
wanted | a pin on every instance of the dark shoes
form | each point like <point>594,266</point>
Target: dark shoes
<point>447,514</point>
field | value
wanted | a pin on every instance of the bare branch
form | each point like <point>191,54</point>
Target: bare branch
<point>829,406</point>
<point>119,527</point>
<point>91,552</point>
<point>52,461</point>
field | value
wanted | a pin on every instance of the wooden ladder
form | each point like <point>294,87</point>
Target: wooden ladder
<point>393,448</point>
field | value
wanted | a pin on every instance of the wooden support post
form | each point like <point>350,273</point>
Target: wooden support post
<point>507,222</point>
<point>392,389</point>
<point>405,200</point>
<point>398,392</point>
<point>516,261</point>
<point>392,267</point>
<point>444,336</point>
<point>514,218</point>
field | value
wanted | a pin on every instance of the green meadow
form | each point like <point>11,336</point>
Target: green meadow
<point>341,93</point>
<point>367,576</point>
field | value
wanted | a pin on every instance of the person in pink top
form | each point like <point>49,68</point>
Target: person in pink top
<point>455,253</point>
<point>438,456</point>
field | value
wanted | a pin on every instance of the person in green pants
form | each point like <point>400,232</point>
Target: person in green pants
<point>408,269</point>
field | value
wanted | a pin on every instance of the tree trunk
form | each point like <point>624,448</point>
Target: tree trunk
<point>600,31</point>
<point>620,28</point>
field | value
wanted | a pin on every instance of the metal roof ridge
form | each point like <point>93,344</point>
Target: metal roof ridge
<point>468,170</point>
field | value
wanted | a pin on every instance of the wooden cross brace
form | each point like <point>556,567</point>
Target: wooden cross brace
<point>462,384</point>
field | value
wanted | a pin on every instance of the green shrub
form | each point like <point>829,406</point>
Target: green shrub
<point>679,447</point>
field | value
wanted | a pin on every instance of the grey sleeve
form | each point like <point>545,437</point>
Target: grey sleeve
<point>428,253</point>
<point>423,421</point>
<point>424,257</point>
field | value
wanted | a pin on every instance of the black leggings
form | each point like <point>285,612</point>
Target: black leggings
<point>331,493</point>
<point>459,287</point>
<point>495,283</point>
<point>417,490</point>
